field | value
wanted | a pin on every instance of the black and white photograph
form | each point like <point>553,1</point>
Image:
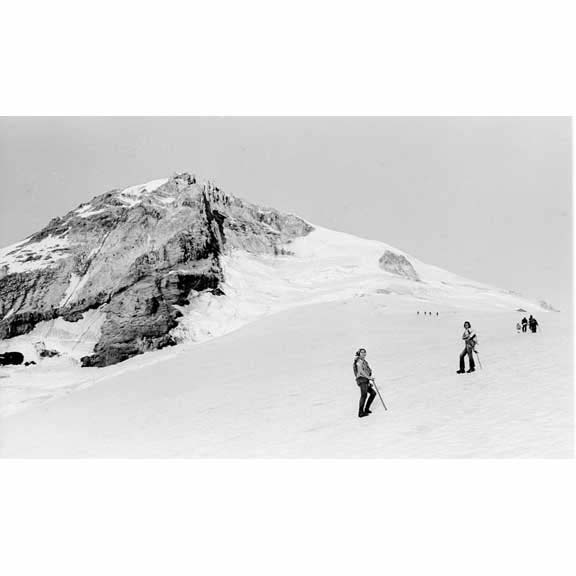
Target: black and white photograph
<point>287,288</point>
<point>274,287</point>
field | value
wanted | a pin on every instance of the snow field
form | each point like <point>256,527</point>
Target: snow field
<point>283,386</point>
<point>265,370</point>
<point>45,252</point>
<point>132,195</point>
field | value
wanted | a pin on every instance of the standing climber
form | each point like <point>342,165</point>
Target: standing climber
<point>533,324</point>
<point>363,375</point>
<point>469,338</point>
<point>524,324</point>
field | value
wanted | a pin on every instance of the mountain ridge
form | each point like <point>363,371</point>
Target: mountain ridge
<point>147,266</point>
<point>140,251</point>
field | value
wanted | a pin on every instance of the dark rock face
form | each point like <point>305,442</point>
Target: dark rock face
<point>398,264</point>
<point>11,358</point>
<point>134,254</point>
<point>33,295</point>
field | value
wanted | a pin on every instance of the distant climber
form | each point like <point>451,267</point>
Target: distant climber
<point>364,379</point>
<point>518,327</point>
<point>524,324</point>
<point>470,340</point>
<point>532,324</point>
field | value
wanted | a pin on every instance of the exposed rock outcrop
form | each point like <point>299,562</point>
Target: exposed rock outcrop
<point>135,254</point>
<point>11,358</point>
<point>398,264</point>
<point>548,306</point>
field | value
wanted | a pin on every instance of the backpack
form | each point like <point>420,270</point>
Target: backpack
<point>355,366</point>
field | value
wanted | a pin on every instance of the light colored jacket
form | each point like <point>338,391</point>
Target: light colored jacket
<point>363,369</point>
<point>470,337</point>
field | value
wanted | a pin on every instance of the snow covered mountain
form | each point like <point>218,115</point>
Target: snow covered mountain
<point>267,311</point>
<point>176,260</point>
<point>120,266</point>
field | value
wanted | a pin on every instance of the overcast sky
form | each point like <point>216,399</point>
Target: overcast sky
<point>487,198</point>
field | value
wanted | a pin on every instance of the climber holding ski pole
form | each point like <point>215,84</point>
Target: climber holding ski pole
<point>379,395</point>
<point>364,379</point>
<point>470,340</point>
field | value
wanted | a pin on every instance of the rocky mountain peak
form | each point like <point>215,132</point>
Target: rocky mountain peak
<point>134,254</point>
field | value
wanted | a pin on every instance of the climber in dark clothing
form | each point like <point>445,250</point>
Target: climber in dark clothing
<point>524,324</point>
<point>532,324</point>
<point>363,375</point>
<point>469,338</point>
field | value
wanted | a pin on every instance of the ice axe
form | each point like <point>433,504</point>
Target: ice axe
<point>380,396</point>
<point>478,356</point>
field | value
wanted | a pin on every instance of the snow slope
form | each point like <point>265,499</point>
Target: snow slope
<point>265,369</point>
<point>324,266</point>
<point>25,256</point>
<point>327,266</point>
<point>282,386</point>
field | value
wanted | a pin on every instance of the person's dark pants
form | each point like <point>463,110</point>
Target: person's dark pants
<point>524,327</point>
<point>365,390</point>
<point>470,353</point>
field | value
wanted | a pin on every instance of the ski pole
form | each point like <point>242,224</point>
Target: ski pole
<point>478,355</point>
<point>374,382</point>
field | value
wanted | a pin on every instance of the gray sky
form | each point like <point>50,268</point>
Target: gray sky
<point>487,198</point>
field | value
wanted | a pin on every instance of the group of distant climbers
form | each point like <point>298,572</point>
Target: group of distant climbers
<point>426,313</point>
<point>531,323</point>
